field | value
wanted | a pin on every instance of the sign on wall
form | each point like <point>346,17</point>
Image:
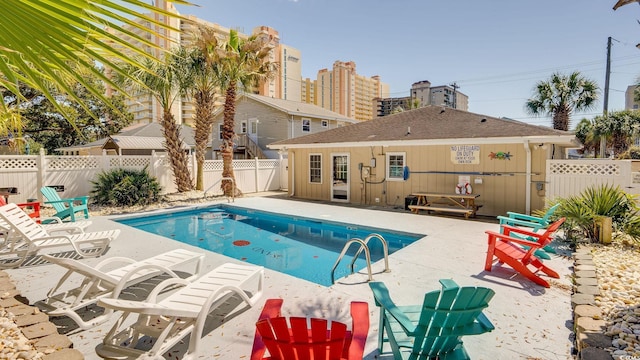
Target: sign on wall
<point>465,154</point>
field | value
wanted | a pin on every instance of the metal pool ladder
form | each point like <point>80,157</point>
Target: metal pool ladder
<point>363,247</point>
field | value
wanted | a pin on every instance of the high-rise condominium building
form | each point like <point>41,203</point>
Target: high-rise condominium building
<point>630,102</point>
<point>284,85</point>
<point>423,94</point>
<point>446,95</point>
<point>343,91</point>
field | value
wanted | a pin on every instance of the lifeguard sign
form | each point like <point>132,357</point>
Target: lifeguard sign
<point>465,154</point>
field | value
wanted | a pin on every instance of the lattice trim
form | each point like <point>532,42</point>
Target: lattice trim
<point>71,162</point>
<point>584,169</point>
<point>18,164</point>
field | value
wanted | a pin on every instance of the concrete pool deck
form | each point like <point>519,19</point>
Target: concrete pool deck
<point>531,322</point>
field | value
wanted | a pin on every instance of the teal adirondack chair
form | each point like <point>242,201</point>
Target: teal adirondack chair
<point>434,329</point>
<point>66,208</point>
<point>535,223</point>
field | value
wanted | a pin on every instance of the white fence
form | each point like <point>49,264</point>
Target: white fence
<point>571,177</point>
<point>73,175</point>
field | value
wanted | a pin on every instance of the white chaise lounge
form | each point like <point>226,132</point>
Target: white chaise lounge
<point>28,238</point>
<point>164,323</point>
<point>98,281</point>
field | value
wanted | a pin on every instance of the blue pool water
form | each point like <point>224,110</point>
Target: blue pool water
<point>302,247</point>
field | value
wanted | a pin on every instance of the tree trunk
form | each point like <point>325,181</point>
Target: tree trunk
<point>204,103</point>
<point>177,155</point>
<point>561,120</point>
<point>228,134</point>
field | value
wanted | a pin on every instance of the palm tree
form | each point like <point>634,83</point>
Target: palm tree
<point>166,82</point>
<point>590,139</point>
<point>203,91</point>
<point>238,63</point>
<point>620,127</point>
<point>44,42</point>
<point>560,96</point>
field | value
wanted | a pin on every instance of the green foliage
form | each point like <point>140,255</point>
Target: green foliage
<point>122,187</point>
<point>606,200</point>
<point>631,153</point>
<point>45,125</point>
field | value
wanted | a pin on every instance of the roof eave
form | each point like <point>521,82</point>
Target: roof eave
<point>566,140</point>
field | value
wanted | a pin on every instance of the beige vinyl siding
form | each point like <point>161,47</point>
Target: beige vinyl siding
<point>498,194</point>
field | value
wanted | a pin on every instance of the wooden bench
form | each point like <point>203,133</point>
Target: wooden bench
<point>443,208</point>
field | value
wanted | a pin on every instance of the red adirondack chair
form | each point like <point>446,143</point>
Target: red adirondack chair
<point>31,208</point>
<point>293,339</point>
<point>505,248</point>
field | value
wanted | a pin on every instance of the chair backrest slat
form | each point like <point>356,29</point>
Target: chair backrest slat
<point>52,195</point>
<point>301,342</point>
<point>445,317</point>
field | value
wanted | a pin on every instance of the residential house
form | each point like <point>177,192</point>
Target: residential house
<point>134,140</point>
<point>261,120</point>
<point>430,149</point>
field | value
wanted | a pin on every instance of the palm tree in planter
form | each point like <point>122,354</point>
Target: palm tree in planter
<point>238,64</point>
<point>166,81</point>
<point>561,95</point>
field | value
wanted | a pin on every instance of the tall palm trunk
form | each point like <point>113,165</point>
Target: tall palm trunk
<point>228,134</point>
<point>204,114</point>
<point>561,119</point>
<point>174,146</point>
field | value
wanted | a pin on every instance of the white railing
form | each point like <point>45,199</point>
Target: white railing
<point>75,174</point>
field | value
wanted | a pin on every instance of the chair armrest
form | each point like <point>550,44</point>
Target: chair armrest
<point>359,329</point>
<point>83,200</point>
<point>383,300</point>
<point>530,218</point>
<point>270,310</point>
<point>494,235</point>
<point>513,222</point>
<point>507,230</point>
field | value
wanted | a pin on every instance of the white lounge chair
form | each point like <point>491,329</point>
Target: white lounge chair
<point>99,282</point>
<point>26,238</point>
<point>166,322</point>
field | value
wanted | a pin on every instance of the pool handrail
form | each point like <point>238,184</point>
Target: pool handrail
<point>367,255</point>
<point>385,249</point>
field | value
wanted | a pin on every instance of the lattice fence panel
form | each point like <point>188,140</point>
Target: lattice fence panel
<point>18,163</point>
<point>244,164</point>
<point>72,163</point>
<point>584,169</point>
<point>212,165</point>
<point>269,163</point>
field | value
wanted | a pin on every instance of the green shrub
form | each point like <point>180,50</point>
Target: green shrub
<point>605,200</point>
<point>122,187</point>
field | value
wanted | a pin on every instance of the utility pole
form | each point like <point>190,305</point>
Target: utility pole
<point>605,105</point>
<point>455,100</point>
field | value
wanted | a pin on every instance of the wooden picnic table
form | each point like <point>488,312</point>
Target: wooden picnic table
<point>6,191</point>
<point>454,203</point>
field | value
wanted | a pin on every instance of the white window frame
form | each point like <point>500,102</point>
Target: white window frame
<point>243,127</point>
<point>308,125</point>
<point>325,123</point>
<point>220,126</point>
<point>311,169</point>
<point>395,177</point>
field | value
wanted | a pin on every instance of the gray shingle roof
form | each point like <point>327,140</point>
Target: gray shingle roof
<point>427,123</point>
<point>299,108</point>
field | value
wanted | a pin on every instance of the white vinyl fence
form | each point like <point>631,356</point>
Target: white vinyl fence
<point>73,175</point>
<point>571,177</point>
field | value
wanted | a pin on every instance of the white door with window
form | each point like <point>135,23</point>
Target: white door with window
<point>340,176</point>
<point>253,129</point>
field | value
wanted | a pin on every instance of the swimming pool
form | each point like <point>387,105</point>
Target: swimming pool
<point>303,247</point>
